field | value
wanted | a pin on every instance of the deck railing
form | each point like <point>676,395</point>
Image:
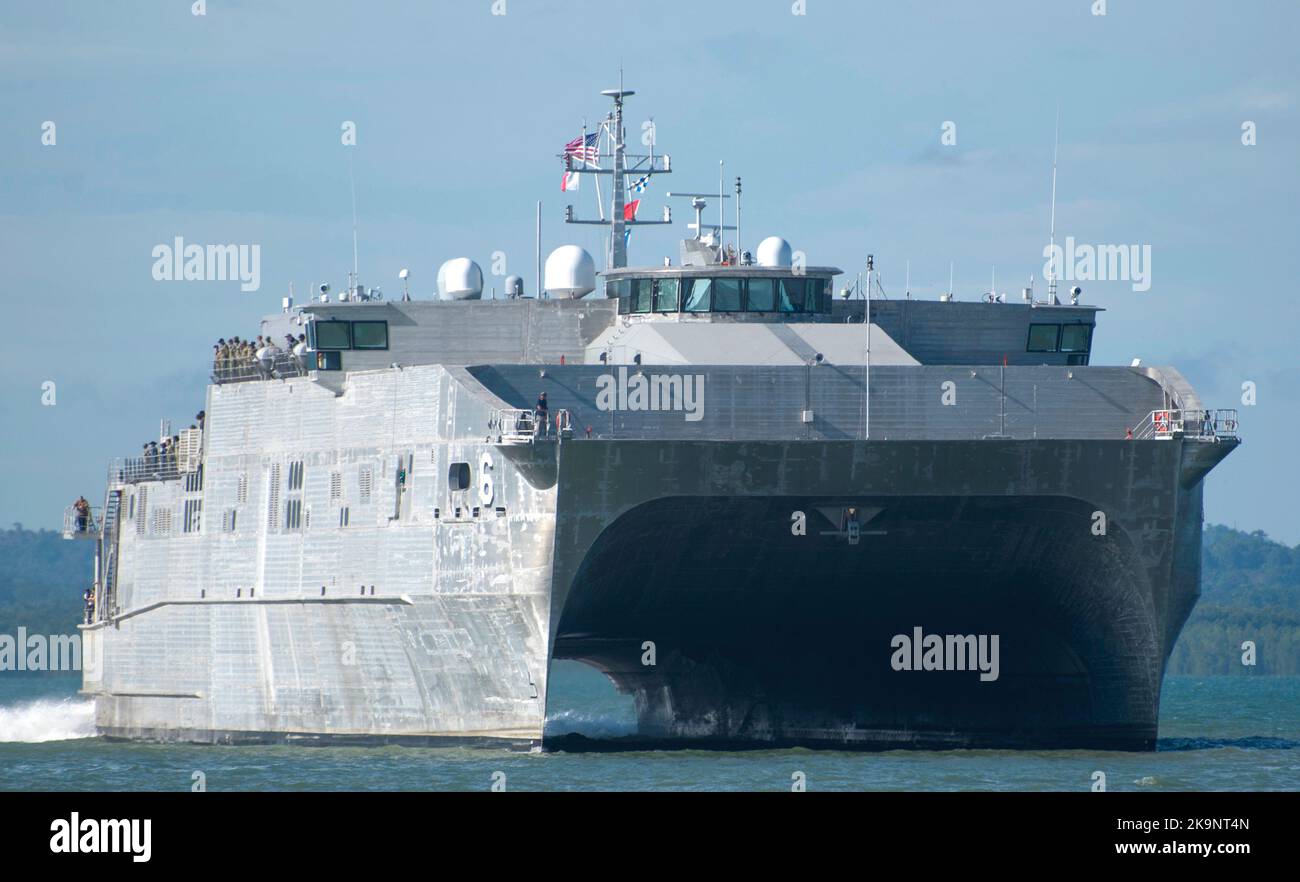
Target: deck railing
<point>81,526</point>
<point>1200,425</point>
<point>519,426</point>
<point>279,366</point>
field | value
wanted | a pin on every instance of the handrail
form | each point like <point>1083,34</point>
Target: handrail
<point>133,470</point>
<point>278,366</point>
<point>74,527</point>
<point>515,425</point>
<point>1199,425</point>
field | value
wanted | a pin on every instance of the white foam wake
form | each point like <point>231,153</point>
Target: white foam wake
<point>48,719</point>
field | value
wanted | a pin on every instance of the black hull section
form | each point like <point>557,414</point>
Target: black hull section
<point>764,636</point>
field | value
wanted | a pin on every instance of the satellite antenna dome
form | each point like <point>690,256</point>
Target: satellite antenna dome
<point>570,272</point>
<point>514,287</point>
<point>404,274</point>
<point>774,251</point>
<point>460,279</point>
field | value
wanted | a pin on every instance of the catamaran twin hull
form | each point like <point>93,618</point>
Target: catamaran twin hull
<point>387,558</point>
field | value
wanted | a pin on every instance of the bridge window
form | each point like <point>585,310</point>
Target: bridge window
<point>370,335</point>
<point>642,294</point>
<point>726,295</point>
<point>332,335</point>
<point>666,295</point>
<point>1043,338</point>
<point>818,295</point>
<point>762,295</point>
<point>1076,338</point>
<point>791,295</point>
<point>700,295</point>
<point>622,289</point>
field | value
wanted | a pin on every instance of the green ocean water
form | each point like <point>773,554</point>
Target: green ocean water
<point>1216,733</point>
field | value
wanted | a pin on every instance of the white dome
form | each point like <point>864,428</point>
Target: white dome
<point>460,279</point>
<point>774,251</point>
<point>570,272</point>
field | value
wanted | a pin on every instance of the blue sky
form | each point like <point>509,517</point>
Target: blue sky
<point>226,128</point>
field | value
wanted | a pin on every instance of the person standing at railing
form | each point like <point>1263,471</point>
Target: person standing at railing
<point>1207,425</point>
<point>88,601</point>
<point>542,412</point>
<point>81,509</point>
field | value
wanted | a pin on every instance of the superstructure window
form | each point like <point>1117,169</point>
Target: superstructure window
<point>370,335</point>
<point>700,295</point>
<point>1043,338</point>
<point>726,295</point>
<point>666,295</point>
<point>332,335</point>
<point>1076,338</point>
<point>642,293</point>
<point>762,295</point>
<point>621,289</point>
<point>817,295</point>
<point>791,295</point>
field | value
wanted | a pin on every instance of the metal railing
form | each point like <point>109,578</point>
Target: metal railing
<point>81,526</point>
<point>519,426</point>
<point>1200,425</point>
<point>245,369</point>
<point>133,470</point>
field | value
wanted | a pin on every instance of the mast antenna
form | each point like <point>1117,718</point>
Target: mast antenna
<point>1056,146</point>
<point>352,181</point>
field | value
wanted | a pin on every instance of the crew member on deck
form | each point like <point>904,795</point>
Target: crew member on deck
<point>82,510</point>
<point>543,415</point>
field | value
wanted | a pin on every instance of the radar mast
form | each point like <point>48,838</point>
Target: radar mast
<point>623,165</point>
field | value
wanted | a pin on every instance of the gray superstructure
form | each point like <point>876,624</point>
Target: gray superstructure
<point>375,537</point>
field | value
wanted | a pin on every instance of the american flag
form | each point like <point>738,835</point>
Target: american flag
<point>584,149</point>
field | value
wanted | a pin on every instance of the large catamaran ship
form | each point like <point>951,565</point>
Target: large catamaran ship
<point>750,500</point>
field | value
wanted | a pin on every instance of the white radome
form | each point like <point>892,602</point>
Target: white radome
<point>460,279</point>
<point>774,251</point>
<point>570,272</point>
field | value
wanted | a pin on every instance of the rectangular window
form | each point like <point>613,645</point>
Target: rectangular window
<point>1075,338</point>
<point>622,289</point>
<point>333,335</point>
<point>666,295</point>
<point>818,295</point>
<point>458,476</point>
<point>792,295</point>
<point>329,361</point>
<point>726,295</point>
<point>700,295</point>
<point>370,335</point>
<point>762,295</point>
<point>1043,338</point>
<point>642,291</point>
